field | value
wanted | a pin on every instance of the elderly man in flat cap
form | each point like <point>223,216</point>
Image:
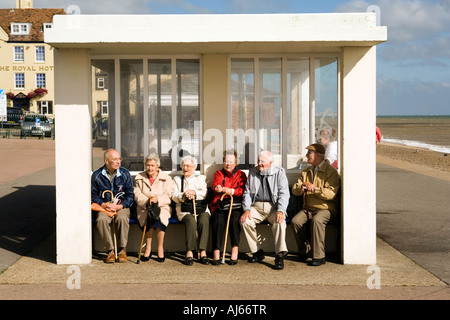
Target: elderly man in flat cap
<point>319,184</point>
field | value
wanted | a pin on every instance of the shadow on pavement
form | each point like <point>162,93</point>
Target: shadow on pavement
<point>28,217</point>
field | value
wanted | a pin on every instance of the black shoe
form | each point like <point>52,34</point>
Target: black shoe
<point>160,259</point>
<point>145,259</point>
<point>215,262</point>
<point>279,262</point>
<point>189,261</point>
<point>258,256</point>
<point>232,262</point>
<point>316,262</point>
<point>204,260</point>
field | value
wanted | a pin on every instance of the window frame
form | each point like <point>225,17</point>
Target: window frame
<point>24,28</point>
<point>19,56</point>
<point>38,54</point>
<point>44,80</point>
<point>45,104</point>
<point>46,25</point>
<point>256,74</point>
<point>16,80</point>
<point>100,83</point>
<point>102,105</point>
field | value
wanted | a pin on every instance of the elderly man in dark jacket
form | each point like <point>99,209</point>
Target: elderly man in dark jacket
<point>112,177</point>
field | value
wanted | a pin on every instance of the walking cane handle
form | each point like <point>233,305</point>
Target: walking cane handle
<point>112,195</point>
<point>225,194</point>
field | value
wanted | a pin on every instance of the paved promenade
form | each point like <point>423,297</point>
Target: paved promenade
<point>27,252</point>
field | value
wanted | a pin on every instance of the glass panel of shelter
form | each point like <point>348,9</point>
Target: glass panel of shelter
<point>281,122</point>
<point>286,118</point>
<point>326,107</point>
<point>160,111</point>
<point>103,125</point>
<point>132,114</point>
<point>173,89</point>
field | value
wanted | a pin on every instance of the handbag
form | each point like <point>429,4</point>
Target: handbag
<point>188,206</point>
<point>153,211</point>
<point>224,205</point>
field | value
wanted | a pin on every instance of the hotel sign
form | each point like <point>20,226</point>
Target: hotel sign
<point>26,68</point>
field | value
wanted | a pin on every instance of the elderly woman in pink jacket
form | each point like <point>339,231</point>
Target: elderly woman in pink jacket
<point>153,185</point>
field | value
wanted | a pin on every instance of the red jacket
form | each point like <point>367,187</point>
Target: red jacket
<point>235,180</point>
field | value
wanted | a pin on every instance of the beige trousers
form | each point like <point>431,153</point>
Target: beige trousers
<point>259,212</point>
<point>319,220</point>
<point>122,225</point>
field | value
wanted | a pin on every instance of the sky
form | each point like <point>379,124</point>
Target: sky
<point>413,66</point>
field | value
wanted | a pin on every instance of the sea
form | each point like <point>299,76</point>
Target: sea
<point>428,132</point>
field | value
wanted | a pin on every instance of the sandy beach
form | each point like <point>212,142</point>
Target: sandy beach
<point>430,163</point>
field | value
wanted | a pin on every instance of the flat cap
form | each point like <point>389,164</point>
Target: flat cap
<point>316,147</point>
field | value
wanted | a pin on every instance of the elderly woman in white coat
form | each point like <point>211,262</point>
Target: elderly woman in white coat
<point>191,186</point>
<point>155,186</point>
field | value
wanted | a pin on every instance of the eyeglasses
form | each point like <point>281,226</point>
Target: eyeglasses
<point>229,162</point>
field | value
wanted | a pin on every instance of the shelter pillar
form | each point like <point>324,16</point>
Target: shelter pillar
<point>358,154</point>
<point>73,151</point>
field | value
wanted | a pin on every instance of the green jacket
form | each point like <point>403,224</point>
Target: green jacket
<point>327,183</point>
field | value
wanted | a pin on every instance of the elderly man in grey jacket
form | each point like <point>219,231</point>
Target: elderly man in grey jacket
<point>266,197</point>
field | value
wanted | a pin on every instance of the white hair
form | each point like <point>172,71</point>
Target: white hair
<point>154,157</point>
<point>191,159</point>
<point>266,154</point>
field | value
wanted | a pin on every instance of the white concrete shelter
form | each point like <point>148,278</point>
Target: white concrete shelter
<point>279,77</point>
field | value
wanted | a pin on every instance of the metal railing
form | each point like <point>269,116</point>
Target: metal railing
<point>18,133</point>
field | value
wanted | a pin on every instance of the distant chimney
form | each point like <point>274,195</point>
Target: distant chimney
<point>24,4</point>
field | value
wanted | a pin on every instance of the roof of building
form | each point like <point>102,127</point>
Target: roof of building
<point>37,17</point>
<point>215,33</point>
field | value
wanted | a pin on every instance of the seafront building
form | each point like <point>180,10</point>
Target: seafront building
<point>26,61</point>
<point>203,83</point>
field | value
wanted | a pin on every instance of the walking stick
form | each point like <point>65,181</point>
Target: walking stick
<point>142,239</point>
<point>142,242</point>
<point>114,224</point>
<point>196,231</point>
<point>310,227</point>
<point>228,223</point>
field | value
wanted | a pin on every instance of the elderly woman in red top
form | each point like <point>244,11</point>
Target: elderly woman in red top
<point>228,180</point>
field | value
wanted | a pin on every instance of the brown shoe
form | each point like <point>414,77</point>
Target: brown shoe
<point>111,258</point>
<point>122,256</point>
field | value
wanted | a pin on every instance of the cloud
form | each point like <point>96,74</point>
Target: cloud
<point>98,6</point>
<point>407,20</point>
<point>125,7</point>
<point>180,5</point>
<point>417,29</point>
<point>433,49</point>
<point>414,97</point>
<point>258,6</point>
<point>414,20</point>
